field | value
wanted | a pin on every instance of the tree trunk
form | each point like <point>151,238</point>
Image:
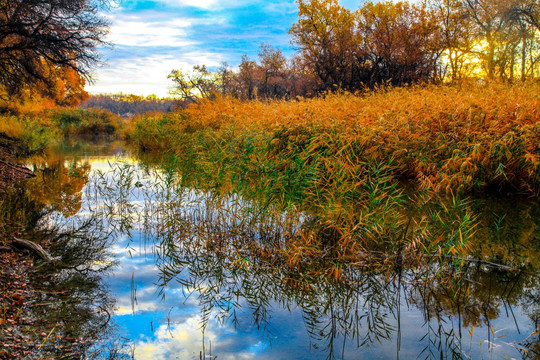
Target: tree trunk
<point>523,59</point>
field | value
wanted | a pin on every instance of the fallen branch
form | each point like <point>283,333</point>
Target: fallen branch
<point>19,168</point>
<point>488,263</point>
<point>35,248</point>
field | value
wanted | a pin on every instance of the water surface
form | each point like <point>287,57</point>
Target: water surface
<point>205,271</point>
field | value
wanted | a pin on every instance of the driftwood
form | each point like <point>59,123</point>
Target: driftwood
<point>492,264</point>
<point>35,248</point>
<point>18,168</point>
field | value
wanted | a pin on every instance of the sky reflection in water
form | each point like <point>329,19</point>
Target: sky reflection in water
<point>167,325</point>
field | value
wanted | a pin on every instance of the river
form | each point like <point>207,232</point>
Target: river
<point>192,273</point>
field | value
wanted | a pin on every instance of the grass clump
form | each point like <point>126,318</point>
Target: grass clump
<point>155,132</point>
<point>74,121</point>
<point>33,132</point>
<point>458,138</point>
<point>23,135</point>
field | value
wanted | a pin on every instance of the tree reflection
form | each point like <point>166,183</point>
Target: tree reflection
<point>69,307</point>
<point>58,185</point>
<point>349,273</point>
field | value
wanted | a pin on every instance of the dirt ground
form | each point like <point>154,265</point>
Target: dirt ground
<point>15,291</point>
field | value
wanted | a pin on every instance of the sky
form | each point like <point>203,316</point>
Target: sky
<point>152,37</point>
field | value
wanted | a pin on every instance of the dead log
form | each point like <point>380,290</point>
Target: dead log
<point>35,248</point>
<point>18,168</point>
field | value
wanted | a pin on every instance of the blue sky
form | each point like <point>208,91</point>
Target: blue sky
<point>153,37</point>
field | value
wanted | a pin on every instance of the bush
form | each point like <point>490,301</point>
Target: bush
<point>85,121</point>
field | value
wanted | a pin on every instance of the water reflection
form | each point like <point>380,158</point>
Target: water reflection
<point>240,274</point>
<point>424,282</point>
<point>69,307</point>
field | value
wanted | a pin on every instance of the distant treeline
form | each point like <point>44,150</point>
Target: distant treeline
<point>382,43</point>
<point>129,105</point>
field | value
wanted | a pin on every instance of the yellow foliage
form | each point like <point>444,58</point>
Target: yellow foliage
<point>446,137</point>
<point>11,126</point>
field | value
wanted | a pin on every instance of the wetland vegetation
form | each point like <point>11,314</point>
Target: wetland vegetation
<point>463,269</point>
<point>375,196</point>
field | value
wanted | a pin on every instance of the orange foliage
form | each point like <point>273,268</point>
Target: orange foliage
<point>447,138</point>
<point>69,90</point>
<point>66,89</point>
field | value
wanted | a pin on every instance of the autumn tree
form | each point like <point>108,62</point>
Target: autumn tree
<point>37,38</point>
<point>67,88</point>
<point>200,83</point>
<point>524,15</point>
<point>455,36</point>
<point>401,41</point>
<point>273,69</point>
<point>64,88</point>
<point>325,37</point>
<point>489,19</point>
<point>301,81</point>
<point>504,32</point>
<point>247,78</point>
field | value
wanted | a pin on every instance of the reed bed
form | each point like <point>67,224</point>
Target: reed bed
<point>36,131</point>
<point>447,138</point>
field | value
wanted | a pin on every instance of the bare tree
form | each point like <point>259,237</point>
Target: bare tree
<point>247,77</point>
<point>273,65</point>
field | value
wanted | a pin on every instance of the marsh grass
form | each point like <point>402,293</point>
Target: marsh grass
<point>375,231</point>
<point>456,139</point>
<point>35,132</point>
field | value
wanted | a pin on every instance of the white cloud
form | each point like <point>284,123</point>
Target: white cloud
<point>211,4</point>
<point>203,4</point>
<point>141,33</point>
<point>184,341</point>
<point>284,7</point>
<point>147,75</point>
<point>181,341</point>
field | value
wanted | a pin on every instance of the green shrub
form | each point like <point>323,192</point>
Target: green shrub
<point>85,121</point>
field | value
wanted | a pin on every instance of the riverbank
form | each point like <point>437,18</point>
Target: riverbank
<point>18,332</point>
<point>29,133</point>
<point>46,304</point>
<point>27,270</point>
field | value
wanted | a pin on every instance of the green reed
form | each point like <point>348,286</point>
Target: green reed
<point>242,251</point>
